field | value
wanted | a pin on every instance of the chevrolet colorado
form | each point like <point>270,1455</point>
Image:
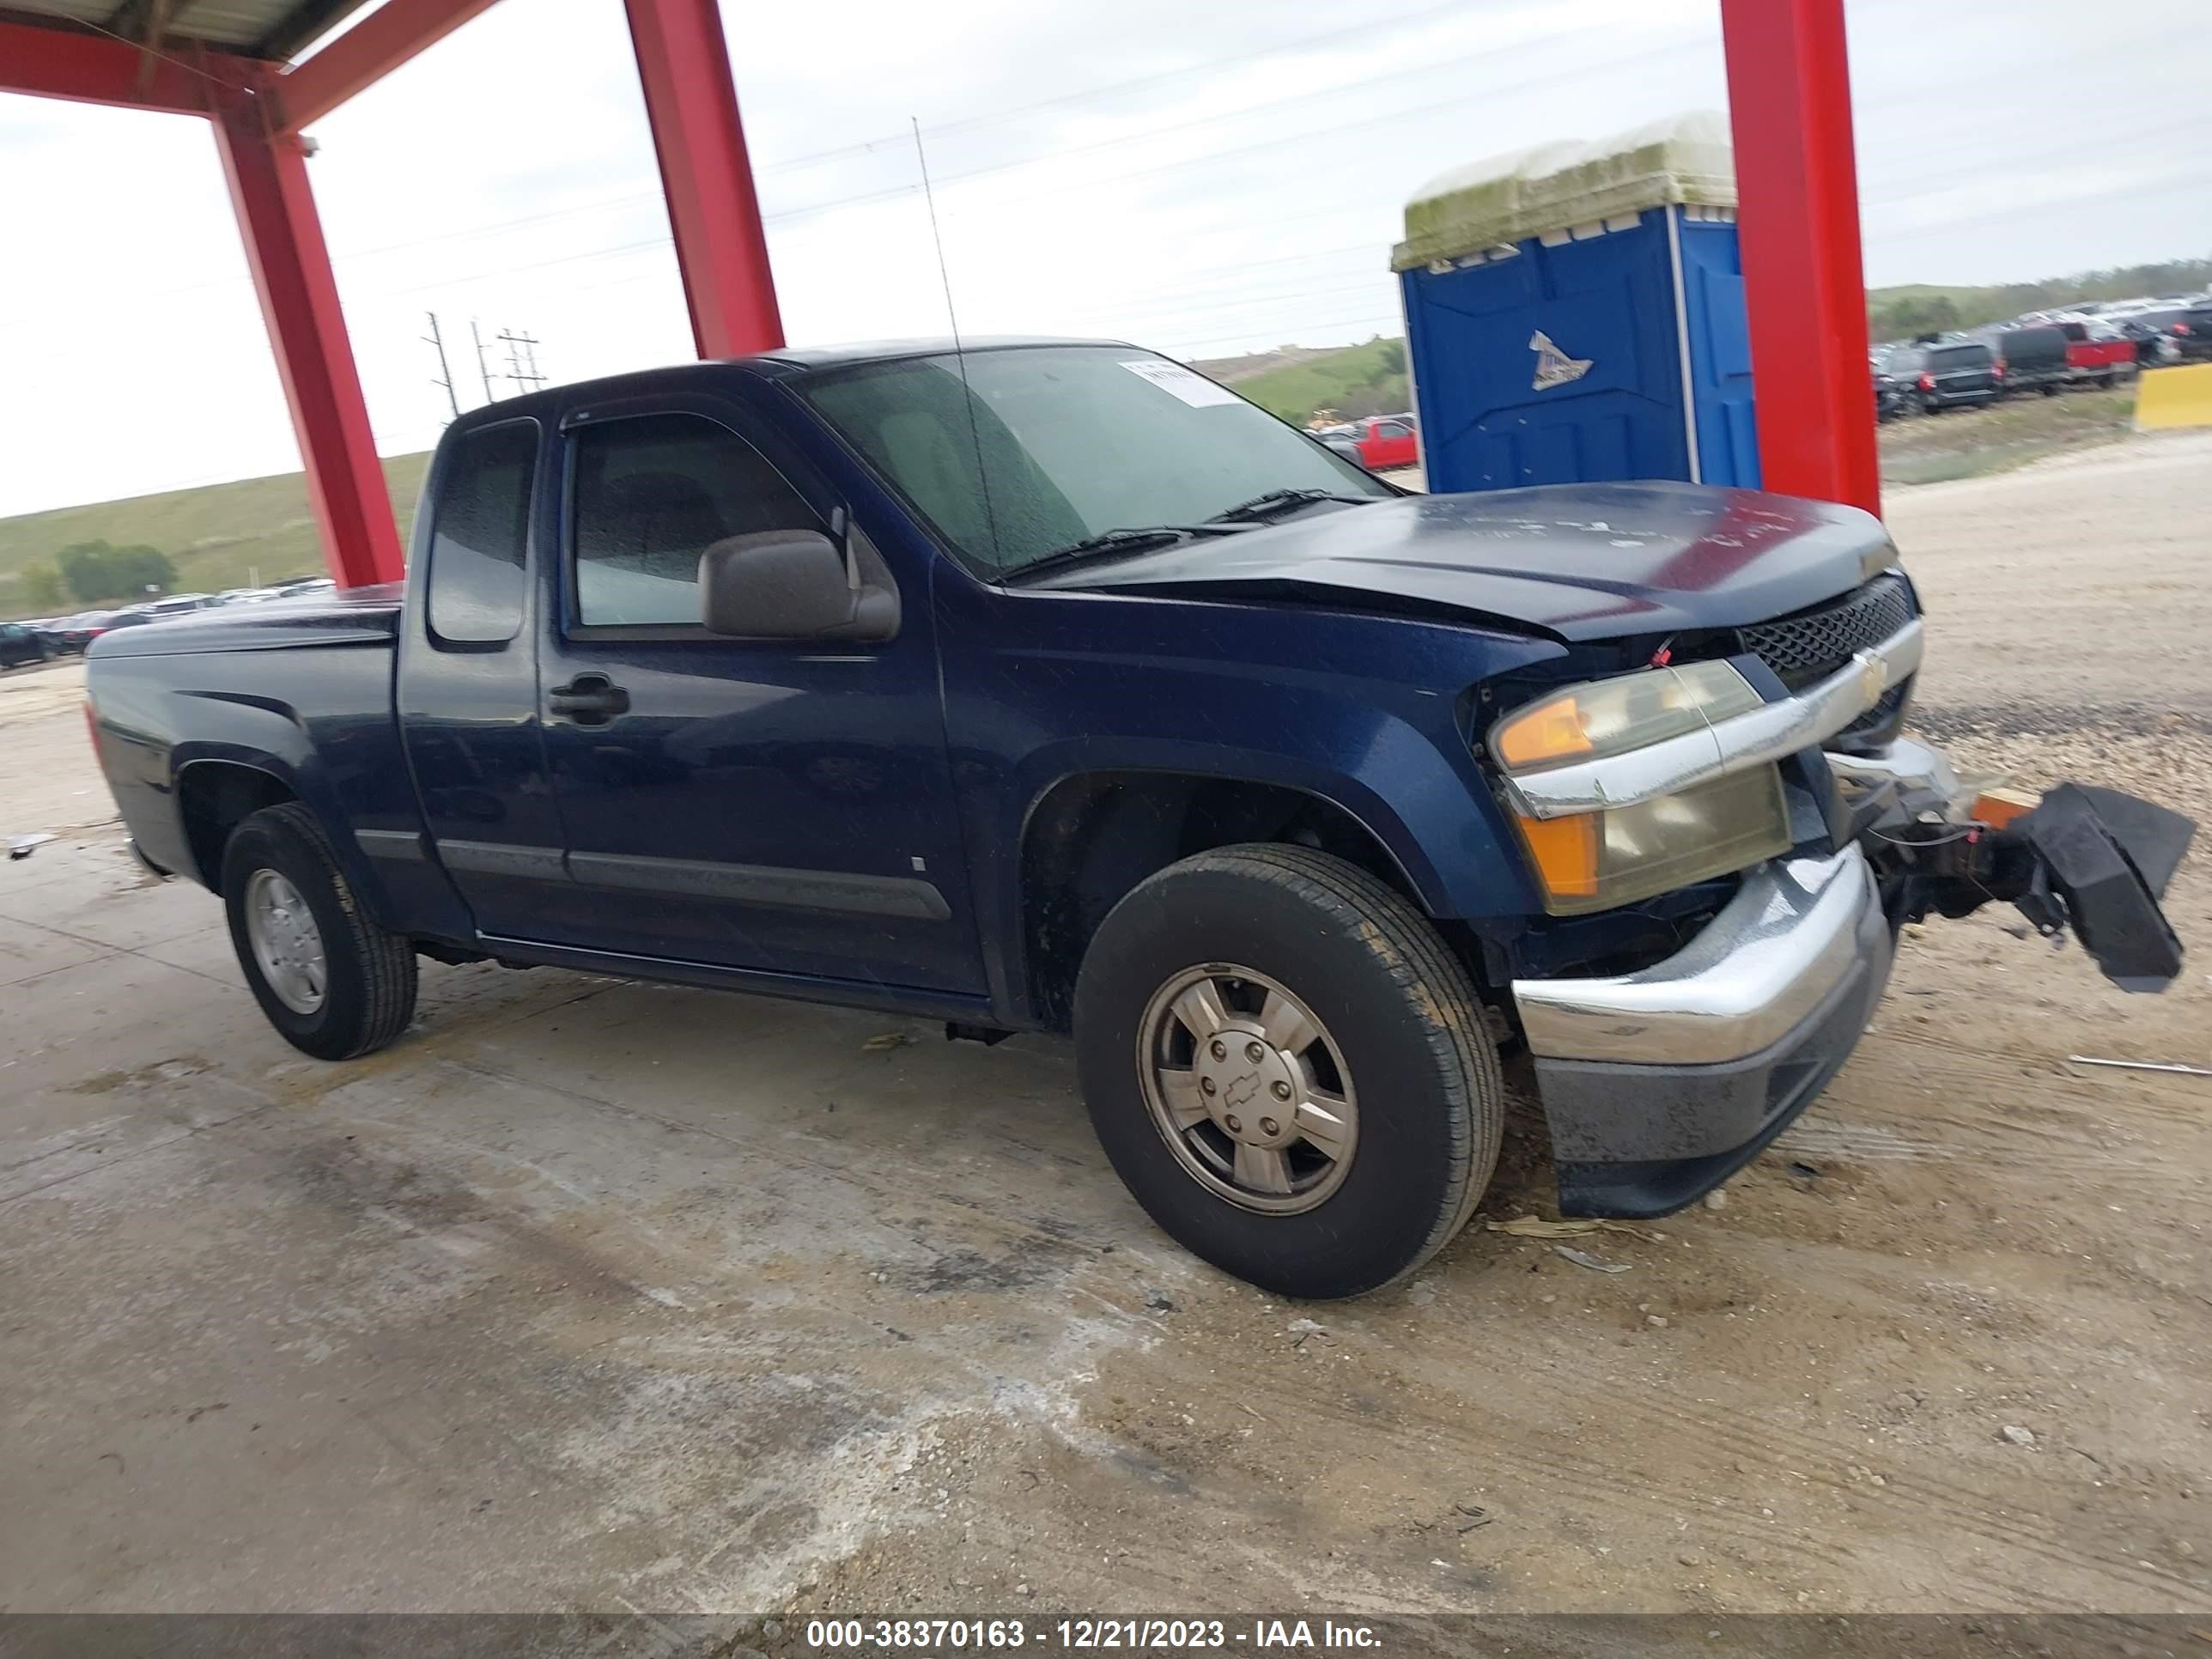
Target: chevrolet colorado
<point>1048,686</point>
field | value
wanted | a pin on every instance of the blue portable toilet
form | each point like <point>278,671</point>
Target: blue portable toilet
<point>1574,313</point>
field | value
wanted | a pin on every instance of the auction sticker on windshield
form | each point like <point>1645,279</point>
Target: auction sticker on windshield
<point>1193,389</point>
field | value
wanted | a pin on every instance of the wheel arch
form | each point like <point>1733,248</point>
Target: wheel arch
<point>1088,837</point>
<point>218,788</point>
<point>215,795</point>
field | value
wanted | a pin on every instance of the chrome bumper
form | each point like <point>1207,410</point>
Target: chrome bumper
<point>1773,955</point>
<point>1659,1085</point>
<point>1753,738</point>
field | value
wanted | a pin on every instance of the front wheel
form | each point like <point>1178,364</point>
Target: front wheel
<point>1289,1068</point>
<point>333,983</point>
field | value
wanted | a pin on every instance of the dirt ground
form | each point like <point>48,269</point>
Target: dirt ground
<point>596,1295</point>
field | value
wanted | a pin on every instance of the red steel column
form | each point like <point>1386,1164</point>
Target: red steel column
<point>712,207</point>
<point>1789,102</point>
<point>291,266</point>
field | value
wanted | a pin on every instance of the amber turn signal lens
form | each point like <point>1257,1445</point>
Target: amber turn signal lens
<point>1565,852</point>
<point>1999,807</point>
<point>1553,731</point>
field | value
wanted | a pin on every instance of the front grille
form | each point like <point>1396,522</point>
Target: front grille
<point>1812,645</point>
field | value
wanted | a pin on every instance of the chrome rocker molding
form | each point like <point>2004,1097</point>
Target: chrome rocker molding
<point>1755,738</point>
<point>1766,962</point>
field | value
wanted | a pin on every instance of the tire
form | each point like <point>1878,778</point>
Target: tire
<point>366,991</point>
<point>1402,1053</point>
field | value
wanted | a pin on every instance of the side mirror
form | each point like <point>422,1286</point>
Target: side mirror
<point>791,585</point>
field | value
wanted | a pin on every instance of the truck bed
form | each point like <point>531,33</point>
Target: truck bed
<point>359,616</point>
<point>297,689</point>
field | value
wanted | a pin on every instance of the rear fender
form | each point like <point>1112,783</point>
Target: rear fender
<point>301,777</point>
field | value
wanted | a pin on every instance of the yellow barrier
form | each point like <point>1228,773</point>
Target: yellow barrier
<point>2168,397</point>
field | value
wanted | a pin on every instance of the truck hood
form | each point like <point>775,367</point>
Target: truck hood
<point>1579,562</point>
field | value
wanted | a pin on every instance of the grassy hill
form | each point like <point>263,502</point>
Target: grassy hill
<point>1360,379</point>
<point>220,535</point>
<point>1896,313</point>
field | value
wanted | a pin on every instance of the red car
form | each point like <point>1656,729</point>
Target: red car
<point>1380,444</point>
<point>2096,352</point>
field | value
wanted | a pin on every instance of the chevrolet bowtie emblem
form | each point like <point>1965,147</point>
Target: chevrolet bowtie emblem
<point>1874,679</point>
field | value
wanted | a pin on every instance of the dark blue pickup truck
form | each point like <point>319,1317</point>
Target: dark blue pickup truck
<point>1051,687</point>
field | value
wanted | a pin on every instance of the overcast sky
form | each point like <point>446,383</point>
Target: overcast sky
<point>1202,179</point>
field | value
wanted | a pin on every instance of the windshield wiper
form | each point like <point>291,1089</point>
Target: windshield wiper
<point>1260,506</point>
<point>1115,544</point>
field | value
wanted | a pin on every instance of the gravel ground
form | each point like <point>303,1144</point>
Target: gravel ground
<point>595,1295</point>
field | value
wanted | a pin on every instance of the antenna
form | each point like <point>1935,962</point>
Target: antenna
<point>959,353</point>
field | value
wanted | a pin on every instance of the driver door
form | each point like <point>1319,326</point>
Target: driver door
<point>777,805</point>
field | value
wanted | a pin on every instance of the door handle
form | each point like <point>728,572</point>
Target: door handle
<point>588,699</point>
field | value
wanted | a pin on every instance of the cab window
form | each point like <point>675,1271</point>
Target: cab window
<point>479,535</point>
<point>651,493</point>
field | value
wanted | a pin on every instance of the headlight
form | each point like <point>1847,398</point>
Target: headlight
<point>1610,717</point>
<point>1596,861</point>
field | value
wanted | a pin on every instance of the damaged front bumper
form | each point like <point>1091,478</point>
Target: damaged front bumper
<point>1659,1084</point>
<point>1662,1083</point>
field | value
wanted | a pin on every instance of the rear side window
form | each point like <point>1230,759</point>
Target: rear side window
<point>479,535</point>
<point>653,492</point>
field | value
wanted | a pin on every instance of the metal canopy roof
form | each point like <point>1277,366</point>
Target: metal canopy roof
<point>273,29</point>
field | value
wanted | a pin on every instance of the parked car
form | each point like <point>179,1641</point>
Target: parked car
<point>2097,353</point>
<point>2033,359</point>
<point>177,605</point>
<point>2168,331</point>
<point>1380,444</point>
<point>68,636</point>
<point>1889,398</point>
<point>298,585</point>
<point>21,643</point>
<point>1956,373</point>
<point>1053,688</point>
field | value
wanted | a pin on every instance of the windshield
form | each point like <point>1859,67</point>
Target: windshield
<point>1073,441</point>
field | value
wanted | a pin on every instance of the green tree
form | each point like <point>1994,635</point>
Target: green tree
<point>41,589</point>
<point>94,571</point>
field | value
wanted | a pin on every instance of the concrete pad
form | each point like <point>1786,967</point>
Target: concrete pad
<point>27,950</point>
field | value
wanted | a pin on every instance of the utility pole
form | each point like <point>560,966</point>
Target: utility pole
<point>436,340</point>
<point>521,361</point>
<point>483,368</point>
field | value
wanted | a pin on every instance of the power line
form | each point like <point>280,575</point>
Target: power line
<point>1367,29</point>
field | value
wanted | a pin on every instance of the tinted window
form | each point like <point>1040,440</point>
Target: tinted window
<point>1060,442</point>
<point>651,494</point>
<point>1963,357</point>
<point>479,534</point>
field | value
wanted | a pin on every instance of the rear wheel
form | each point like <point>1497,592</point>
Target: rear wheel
<point>1289,1068</point>
<point>333,983</point>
